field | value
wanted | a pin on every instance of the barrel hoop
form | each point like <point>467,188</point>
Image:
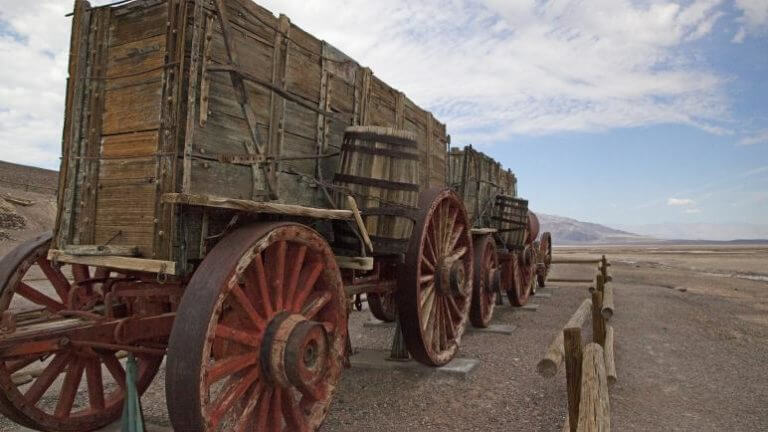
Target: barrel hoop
<point>403,212</point>
<point>384,184</point>
<point>379,151</point>
<point>386,139</point>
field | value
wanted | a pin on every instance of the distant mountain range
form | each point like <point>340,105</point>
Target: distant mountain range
<point>571,231</point>
<point>567,231</point>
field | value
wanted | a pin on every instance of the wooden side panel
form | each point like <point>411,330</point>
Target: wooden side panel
<point>113,181</point>
<point>303,94</point>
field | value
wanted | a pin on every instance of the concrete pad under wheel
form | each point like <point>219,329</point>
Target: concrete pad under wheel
<point>504,329</point>
<point>543,295</point>
<point>371,359</point>
<point>530,307</point>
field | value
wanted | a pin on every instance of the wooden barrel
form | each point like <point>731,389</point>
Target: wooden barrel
<point>511,219</point>
<point>380,167</point>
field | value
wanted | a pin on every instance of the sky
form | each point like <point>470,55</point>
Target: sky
<point>621,112</point>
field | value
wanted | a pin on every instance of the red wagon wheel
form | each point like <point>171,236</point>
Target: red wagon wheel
<point>486,281</point>
<point>260,334</point>
<point>523,268</point>
<point>545,258</point>
<point>34,290</point>
<point>382,306</point>
<point>435,287</point>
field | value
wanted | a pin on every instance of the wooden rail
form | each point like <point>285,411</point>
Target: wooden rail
<point>589,370</point>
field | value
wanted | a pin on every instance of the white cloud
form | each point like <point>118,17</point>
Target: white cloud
<point>489,68</point>
<point>754,18</point>
<point>680,202</point>
<point>757,138</point>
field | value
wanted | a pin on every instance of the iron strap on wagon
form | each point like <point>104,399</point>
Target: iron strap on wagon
<point>228,182</point>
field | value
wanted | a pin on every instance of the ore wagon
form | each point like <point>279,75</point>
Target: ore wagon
<point>228,182</point>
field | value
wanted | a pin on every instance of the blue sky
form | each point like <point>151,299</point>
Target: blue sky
<point>613,111</point>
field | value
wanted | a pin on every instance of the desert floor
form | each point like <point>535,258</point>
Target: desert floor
<point>691,329</point>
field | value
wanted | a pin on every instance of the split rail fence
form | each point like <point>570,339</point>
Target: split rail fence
<point>589,369</point>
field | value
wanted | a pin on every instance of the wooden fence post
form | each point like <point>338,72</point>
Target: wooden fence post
<point>573,354</point>
<point>598,324</point>
<point>594,405</point>
<point>610,359</point>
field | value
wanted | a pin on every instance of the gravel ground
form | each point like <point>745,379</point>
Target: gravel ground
<point>691,346</point>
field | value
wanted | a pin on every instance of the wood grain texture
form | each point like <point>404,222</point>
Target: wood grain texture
<point>555,353</point>
<point>594,406</point>
<point>610,357</point>
<point>257,207</point>
<point>573,358</point>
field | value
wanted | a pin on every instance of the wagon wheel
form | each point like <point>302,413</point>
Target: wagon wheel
<point>521,283</point>
<point>435,287</point>
<point>382,306</point>
<point>486,281</point>
<point>33,289</point>
<point>260,334</point>
<point>545,258</point>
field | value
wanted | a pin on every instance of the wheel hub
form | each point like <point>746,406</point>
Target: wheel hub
<point>294,351</point>
<point>451,278</point>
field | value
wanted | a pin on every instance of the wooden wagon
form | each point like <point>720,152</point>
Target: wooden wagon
<point>228,182</point>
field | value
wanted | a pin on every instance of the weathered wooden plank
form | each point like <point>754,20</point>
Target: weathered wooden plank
<point>101,250</point>
<point>132,109</point>
<point>257,207</point>
<point>121,263</point>
<point>142,23</point>
<point>138,62</point>
<point>139,144</point>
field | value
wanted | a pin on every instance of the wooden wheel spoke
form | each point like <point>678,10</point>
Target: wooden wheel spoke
<point>276,411</point>
<point>294,418</point>
<point>261,281</point>
<point>450,327</point>
<point>245,303</point>
<point>237,388</point>
<point>115,368</point>
<point>279,275</point>
<point>456,255</point>
<point>426,278</point>
<point>239,336</point>
<point>455,236</point>
<point>430,249</point>
<point>95,384</point>
<point>430,267</point>
<point>315,304</point>
<point>429,322</point>
<point>37,297</point>
<point>44,381</point>
<point>451,224</point>
<point>245,420</point>
<point>56,277</point>
<point>229,366</point>
<point>426,295</point>
<point>265,402</point>
<point>297,263</point>
<point>453,308</point>
<point>307,282</point>
<point>69,388</point>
